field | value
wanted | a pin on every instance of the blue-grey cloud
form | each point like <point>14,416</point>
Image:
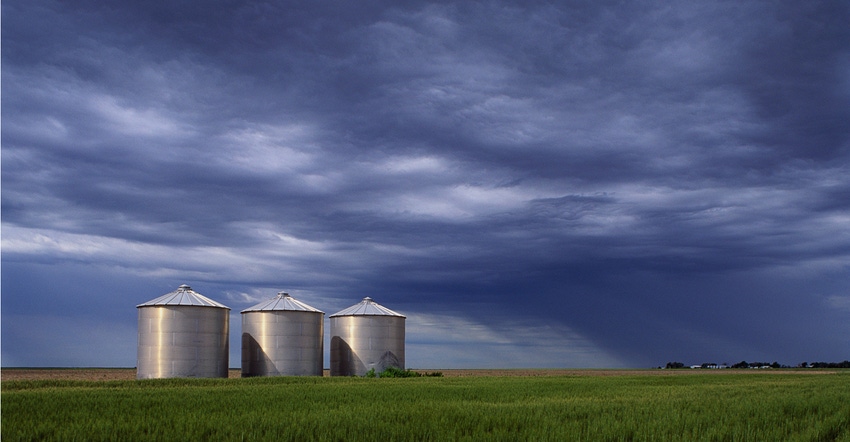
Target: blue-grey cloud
<point>641,182</point>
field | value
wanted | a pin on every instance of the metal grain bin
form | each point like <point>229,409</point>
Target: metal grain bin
<point>366,336</point>
<point>183,334</point>
<point>282,337</point>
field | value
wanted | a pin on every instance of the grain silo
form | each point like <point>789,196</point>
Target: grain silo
<point>282,337</point>
<point>183,334</point>
<point>366,336</point>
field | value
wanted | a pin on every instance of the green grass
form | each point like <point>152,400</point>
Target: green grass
<point>733,407</point>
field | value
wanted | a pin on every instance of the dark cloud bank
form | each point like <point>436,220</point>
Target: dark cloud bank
<point>534,184</point>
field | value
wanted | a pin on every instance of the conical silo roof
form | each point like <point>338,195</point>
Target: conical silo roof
<point>282,302</point>
<point>184,295</point>
<point>367,307</point>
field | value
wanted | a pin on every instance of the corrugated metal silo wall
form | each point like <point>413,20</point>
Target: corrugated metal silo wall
<point>282,343</point>
<point>183,341</point>
<point>360,343</point>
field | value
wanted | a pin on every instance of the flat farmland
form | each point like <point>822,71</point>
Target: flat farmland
<point>500,405</point>
<point>124,374</point>
<point>77,374</point>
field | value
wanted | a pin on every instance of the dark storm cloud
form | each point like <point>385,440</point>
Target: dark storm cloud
<point>641,179</point>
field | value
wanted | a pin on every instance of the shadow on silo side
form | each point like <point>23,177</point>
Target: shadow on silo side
<point>344,362</point>
<point>255,362</point>
<point>388,359</point>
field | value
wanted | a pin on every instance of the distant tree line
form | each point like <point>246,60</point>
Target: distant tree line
<point>745,364</point>
<point>842,364</point>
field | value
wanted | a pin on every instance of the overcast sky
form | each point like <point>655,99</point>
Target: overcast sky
<point>534,184</point>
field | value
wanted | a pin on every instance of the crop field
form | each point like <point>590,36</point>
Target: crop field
<point>534,405</point>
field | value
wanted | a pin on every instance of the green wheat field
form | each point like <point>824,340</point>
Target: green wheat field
<point>786,406</point>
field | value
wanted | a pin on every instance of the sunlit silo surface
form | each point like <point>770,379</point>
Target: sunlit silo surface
<point>366,336</point>
<point>183,334</point>
<point>282,337</point>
